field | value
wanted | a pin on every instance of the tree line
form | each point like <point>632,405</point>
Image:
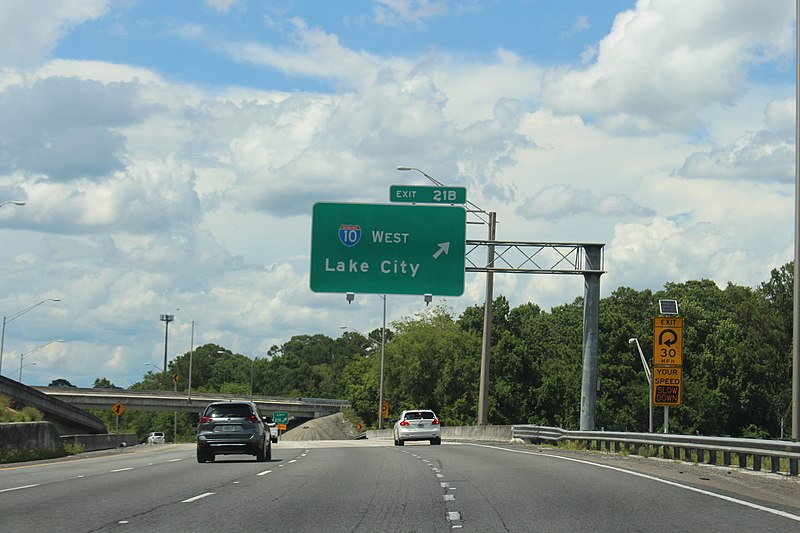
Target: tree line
<point>736,374</point>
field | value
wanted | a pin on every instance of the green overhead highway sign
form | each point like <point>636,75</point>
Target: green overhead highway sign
<point>427,195</point>
<point>388,249</point>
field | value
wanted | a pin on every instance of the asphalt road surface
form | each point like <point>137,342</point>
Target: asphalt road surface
<point>372,486</point>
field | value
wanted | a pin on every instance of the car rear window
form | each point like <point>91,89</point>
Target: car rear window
<point>420,415</point>
<point>229,411</point>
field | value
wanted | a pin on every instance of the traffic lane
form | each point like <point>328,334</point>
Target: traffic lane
<point>517,490</point>
<point>333,489</point>
<point>775,490</point>
<point>112,492</point>
<point>65,468</point>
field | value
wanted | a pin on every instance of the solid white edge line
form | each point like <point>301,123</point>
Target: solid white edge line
<point>770,510</point>
<point>190,500</point>
<point>19,488</point>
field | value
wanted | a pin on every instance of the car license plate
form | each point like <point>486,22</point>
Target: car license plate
<point>226,429</point>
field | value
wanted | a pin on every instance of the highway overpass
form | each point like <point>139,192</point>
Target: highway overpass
<point>67,418</point>
<point>139,400</point>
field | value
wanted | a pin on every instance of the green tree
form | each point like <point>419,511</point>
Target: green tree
<point>60,382</point>
<point>104,383</point>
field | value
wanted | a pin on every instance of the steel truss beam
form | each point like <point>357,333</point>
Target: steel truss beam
<point>532,257</point>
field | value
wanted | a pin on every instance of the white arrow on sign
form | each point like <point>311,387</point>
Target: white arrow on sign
<point>443,247</point>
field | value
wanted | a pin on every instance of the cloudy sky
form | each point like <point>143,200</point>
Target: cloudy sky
<point>170,154</point>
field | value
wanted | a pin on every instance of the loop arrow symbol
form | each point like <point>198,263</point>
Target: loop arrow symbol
<point>443,247</point>
<point>668,342</point>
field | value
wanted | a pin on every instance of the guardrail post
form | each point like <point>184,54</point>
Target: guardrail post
<point>775,467</point>
<point>742,460</point>
<point>701,453</point>
<point>726,458</point>
<point>792,466</point>
<point>712,457</point>
<point>756,462</point>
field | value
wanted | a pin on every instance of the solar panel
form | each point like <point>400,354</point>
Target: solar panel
<point>668,307</point>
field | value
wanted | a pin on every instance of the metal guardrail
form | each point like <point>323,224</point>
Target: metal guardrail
<point>671,446</point>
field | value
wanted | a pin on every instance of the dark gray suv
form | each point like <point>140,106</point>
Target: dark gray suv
<point>233,427</point>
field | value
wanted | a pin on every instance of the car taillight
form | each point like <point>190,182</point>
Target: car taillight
<point>435,422</point>
<point>205,419</point>
<point>252,418</point>
<point>404,423</point>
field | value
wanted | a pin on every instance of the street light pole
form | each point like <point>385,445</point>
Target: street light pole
<point>191,356</point>
<point>486,344</point>
<point>22,355</point>
<point>14,316</point>
<point>383,358</point>
<point>166,319</point>
<point>252,364</point>
<point>649,377</point>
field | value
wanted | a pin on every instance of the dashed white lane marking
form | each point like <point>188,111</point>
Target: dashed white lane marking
<point>198,497</point>
<point>444,484</point>
<point>175,460</point>
<point>453,515</point>
<point>264,473</point>
<point>448,497</point>
<point>293,461</point>
<point>122,469</point>
<point>123,522</point>
<point>19,488</point>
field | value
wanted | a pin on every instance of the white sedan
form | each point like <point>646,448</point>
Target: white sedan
<point>417,424</point>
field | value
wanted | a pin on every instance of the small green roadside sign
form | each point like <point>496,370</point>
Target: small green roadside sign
<point>388,249</point>
<point>280,417</point>
<point>427,195</point>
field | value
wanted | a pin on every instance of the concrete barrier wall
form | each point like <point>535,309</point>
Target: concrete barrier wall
<point>21,436</point>
<point>107,441</point>
<point>24,436</point>
<point>480,433</point>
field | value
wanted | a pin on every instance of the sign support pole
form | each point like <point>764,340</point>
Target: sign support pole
<point>383,356</point>
<point>796,306</point>
<point>486,346</point>
<point>591,326</point>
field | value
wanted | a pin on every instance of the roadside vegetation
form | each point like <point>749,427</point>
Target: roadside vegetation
<point>737,364</point>
<point>23,414</point>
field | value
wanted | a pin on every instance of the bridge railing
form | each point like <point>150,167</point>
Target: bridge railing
<point>692,447</point>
